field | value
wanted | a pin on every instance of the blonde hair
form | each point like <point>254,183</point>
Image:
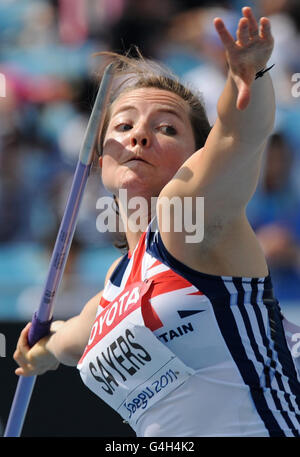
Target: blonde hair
<point>136,72</point>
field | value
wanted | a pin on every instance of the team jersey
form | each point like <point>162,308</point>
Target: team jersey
<point>181,353</point>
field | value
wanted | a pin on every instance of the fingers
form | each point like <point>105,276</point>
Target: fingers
<point>20,354</point>
<point>226,38</point>
<point>252,23</point>
<point>25,370</point>
<point>265,29</point>
<point>247,30</point>
<point>243,30</point>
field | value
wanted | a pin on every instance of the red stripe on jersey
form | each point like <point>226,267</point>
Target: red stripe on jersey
<point>164,282</point>
<point>156,263</point>
<point>103,302</point>
<point>151,319</point>
<point>168,281</point>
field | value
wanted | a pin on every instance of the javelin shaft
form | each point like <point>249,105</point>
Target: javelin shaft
<point>62,245</point>
<point>42,318</point>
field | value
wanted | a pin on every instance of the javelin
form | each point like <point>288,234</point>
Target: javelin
<point>42,318</point>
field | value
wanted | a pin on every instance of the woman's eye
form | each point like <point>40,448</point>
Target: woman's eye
<point>124,127</point>
<point>168,130</point>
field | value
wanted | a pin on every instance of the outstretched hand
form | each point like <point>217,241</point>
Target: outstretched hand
<point>249,53</point>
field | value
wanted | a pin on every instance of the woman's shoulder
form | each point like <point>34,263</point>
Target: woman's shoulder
<point>234,252</point>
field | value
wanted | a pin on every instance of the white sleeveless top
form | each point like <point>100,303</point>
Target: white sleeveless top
<point>178,353</point>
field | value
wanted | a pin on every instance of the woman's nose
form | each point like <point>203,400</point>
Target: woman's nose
<point>142,141</point>
<point>140,138</point>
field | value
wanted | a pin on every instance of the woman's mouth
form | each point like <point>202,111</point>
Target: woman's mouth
<point>136,160</point>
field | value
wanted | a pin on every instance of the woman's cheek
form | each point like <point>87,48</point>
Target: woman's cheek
<point>107,171</point>
<point>173,158</point>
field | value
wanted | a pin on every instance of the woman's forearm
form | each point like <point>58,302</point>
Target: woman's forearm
<point>65,343</point>
<point>62,342</point>
<point>69,338</point>
<point>256,121</point>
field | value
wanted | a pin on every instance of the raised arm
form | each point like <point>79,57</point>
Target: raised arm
<point>225,171</point>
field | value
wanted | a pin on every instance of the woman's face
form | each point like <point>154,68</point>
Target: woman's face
<point>148,138</point>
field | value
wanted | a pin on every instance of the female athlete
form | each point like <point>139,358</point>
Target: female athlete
<point>187,338</point>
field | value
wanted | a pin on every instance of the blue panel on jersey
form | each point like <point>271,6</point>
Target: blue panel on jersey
<point>210,285</point>
<point>118,272</point>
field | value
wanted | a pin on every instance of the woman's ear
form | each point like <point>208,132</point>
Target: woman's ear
<point>100,161</point>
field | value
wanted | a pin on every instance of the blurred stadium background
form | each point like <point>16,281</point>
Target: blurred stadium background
<point>46,57</point>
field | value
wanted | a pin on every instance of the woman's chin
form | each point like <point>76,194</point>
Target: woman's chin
<point>135,184</point>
